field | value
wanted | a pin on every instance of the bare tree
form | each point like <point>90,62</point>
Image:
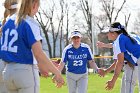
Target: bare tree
<point>70,15</point>
<point>127,20</point>
<point>67,26</point>
<point>54,34</point>
<point>137,24</point>
<point>49,28</point>
<point>60,27</point>
<point>87,12</point>
<point>101,21</point>
<point>45,27</point>
<point>111,13</point>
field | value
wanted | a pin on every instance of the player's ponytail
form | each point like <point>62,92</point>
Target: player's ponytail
<point>24,9</point>
<point>10,8</point>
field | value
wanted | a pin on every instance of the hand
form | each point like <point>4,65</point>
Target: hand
<point>58,80</point>
<point>101,72</point>
<point>44,74</point>
<point>110,85</point>
<point>100,44</point>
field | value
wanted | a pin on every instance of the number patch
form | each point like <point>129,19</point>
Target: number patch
<point>78,63</point>
<point>8,45</point>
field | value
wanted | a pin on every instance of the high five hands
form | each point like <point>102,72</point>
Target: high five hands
<point>58,80</point>
<point>101,72</point>
<point>109,84</point>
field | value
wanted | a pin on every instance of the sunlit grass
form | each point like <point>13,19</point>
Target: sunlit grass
<point>96,84</point>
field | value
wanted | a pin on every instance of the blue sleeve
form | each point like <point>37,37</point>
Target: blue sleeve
<point>33,34</point>
<point>29,36</point>
<point>122,44</point>
<point>64,56</point>
<point>90,55</point>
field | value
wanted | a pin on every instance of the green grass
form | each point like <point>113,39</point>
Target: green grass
<point>96,84</point>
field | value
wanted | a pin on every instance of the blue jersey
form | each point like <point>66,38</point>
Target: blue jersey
<point>136,37</point>
<point>17,41</point>
<point>131,50</point>
<point>76,59</point>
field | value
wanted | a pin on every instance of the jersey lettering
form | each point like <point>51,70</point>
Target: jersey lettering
<point>8,45</point>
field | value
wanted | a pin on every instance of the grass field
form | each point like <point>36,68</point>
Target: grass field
<point>96,84</point>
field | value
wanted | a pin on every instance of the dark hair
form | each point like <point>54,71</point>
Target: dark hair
<point>122,30</point>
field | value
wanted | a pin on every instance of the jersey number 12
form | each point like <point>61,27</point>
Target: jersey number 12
<point>8,44</point>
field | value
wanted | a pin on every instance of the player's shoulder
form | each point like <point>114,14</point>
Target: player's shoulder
<point>12,17</point>
<point>26,21</point>
<point>31,21</point>
<point>9,20</point>
<point>85,45</point>
<point>32,24</point>
<point>121,38</point>
<point>68,47</point>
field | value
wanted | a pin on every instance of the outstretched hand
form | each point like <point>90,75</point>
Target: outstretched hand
<point>100,44</point>
<point>110,85</point>
<point>58,80</point>
<point>44,74</point>
<point>101,72</point>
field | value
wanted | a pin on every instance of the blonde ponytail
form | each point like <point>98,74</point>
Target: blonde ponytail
<point>24,9</point>
<point>8,11</point>
<point>6,14</point>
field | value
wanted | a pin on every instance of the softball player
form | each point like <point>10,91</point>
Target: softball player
<point>20,43</point>
<point>130,72</point>
<point>10,8</point>
<point>76,56</point>
<point>125,47</point>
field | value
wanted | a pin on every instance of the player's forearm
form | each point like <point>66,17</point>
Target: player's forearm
<point>117,71</point>
<point>61,66</point>
<point>109,45</point>
<point>104,45</point>
<point>44,62</point>
<point>93,64</point>
<point>112,67</point>
<point>118,67</point>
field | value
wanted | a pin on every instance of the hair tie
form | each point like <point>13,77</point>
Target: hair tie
<point>122,26</point>
<point>14,6</point>
<point>119,27</point>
